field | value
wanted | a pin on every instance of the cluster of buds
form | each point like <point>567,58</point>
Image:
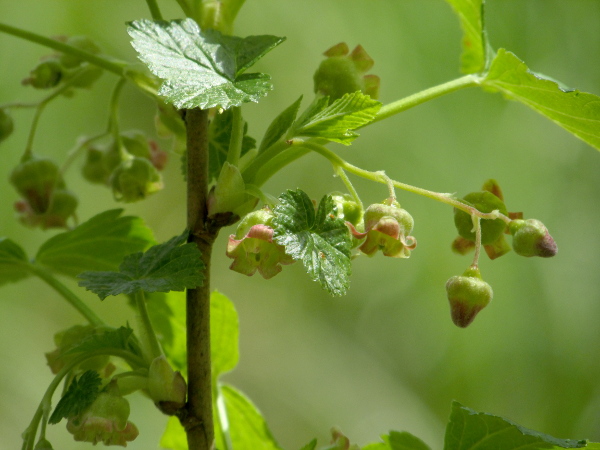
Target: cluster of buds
<point>45,201</point>
<point>130,166</point>
<point>59,68</point>
<point>343,72</point>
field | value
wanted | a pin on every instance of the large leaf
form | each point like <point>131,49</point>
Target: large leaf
<point>101,243</point>
<point>336,122</point>
<point>13,262</point>
<point>475,44</point>
<point>224,353</point>
<point>170,266</point>
<point>468,429</point>
<point>202,69</point>
<point>318,238</point>
<point>575,111</point>
<point>241,423</point>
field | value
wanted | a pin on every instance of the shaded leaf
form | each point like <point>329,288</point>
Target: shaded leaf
<point>121,338</point>
<point>280,125</point>
<point>81,393</point>
<point>336,122</point>
<point>577,112</point>
<point>202,69</point>
<point>318,238</point>
<point>468,429</point>
<point>475,43</point>
<point>170,266</point>
<point>100,243</point>
<point>13,262</point>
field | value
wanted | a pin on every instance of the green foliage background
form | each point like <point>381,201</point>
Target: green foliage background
<point>386,356</point>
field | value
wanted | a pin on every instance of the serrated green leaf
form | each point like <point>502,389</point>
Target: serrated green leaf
<point>223,335</point>
<point>475,43</point>
<point>319,239</point>
<point>577,112</point>
<point>100,243</point>
<point>81,393</point>
<point>170,266</point>
<point>202,69</point>
<point>468,429</point>
<point>241,422</point>
<point>336,122</point>
<point>13,262</point>
<point>174,437</point>
<point>280,125</point>
<point>219,136</point>
<point>121,338</point>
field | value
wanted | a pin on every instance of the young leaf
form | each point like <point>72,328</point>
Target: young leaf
<point>219,136</point>
<point>575,111</point>
<point>202,69</point>
<point>223,335</point>
<point>468,429</point>
<point>310,446</point>
<point>319,239</point>
<point>81,393</point>
<point>244,425</point>
<point>101,243</point>
<point>121,338</point>
<point>280,125</point>
<point>13,262</point>
<point>170,266</point>
<point>335,122</point>
<point>475,43</point>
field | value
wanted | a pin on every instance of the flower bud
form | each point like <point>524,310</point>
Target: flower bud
<point>134,179</point>
<point>94,168</point>
<point>342,73</point>
<point>347,208</point>
<point>47,74</point>
<point>166,387</point>
<point>35,179</point>
<point>468,294</point>
<point>531,238</point>
<point>485,202</point>
<point>104,421</point>
<point>6,124</point>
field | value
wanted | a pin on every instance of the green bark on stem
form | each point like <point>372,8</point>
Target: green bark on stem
<point>198,419</point>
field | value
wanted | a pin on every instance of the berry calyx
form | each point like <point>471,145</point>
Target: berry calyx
<point>468,294</point>
<point>531,238</point>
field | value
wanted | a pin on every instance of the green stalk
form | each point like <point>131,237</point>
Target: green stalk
<point>67,294</point>
<point>150,343</point>
<point>154,10</point>
<point>237,136</point>
<point>110,65</point>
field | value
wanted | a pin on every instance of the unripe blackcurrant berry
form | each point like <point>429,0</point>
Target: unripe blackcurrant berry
<point>468,294</point>
<point>531,238</point>
<point>6,124</point>
<point>134,179</point>
<point>485,202</point>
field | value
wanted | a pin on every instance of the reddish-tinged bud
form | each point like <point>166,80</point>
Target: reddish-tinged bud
<point>166,387</point>
<point>468,294</point>
<point>531,238</point>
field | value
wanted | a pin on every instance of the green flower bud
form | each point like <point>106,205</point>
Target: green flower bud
<point>6,124</point>
<point>136,143</point>
<point>468,294</point>
<point>82,43</point>
<point>531,238</point>
<point>347,208</point>
<point>94,168</point>
<point>47,74</point>
<point>485,202</point>
<point>35,179</point>
<point>342,73</point>
<point>43,444</point>
<point>134,179</point>
<point>166,387</point>
<point>84,76</point>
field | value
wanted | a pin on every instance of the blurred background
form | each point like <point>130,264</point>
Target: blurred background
<point>386,356</point>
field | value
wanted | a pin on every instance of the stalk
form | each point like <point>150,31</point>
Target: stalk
<point>198,420</point>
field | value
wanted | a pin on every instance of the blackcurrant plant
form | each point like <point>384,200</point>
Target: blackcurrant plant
<point>182,335</point>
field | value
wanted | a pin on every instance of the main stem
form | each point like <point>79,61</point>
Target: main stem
<point>198,421</point>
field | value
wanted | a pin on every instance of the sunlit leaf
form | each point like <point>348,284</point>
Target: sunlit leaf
<point>280,125</point>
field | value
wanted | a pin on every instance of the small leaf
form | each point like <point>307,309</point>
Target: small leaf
<point>468,429</point>
<point>101,243</point>
<point>575,111</point>
<point>121,338</point>
<point>404,441</point>
<point>319,239</point>
<point>245,427</point>
<point>475,43</point>
<point>310,446</point>
<point>280,125</point>
<point>219,136</point>
<point>337,121</point>
<point>81,393</point>
<point>223,335</point>
<point>13,262</point>
<point>174,437</point>
<point>170,266</point>
<point>202,69</point>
